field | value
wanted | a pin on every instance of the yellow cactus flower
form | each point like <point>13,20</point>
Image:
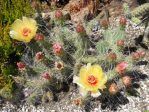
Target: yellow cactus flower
<point>91,79</point>
<point>23,30</point>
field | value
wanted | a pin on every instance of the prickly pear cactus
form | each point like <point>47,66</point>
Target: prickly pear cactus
<point>94,55</point>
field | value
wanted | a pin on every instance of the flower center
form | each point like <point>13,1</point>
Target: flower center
<point>59,66</point>
<point>26,32</point>
<point>92,80</point>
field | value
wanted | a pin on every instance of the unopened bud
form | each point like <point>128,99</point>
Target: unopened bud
<point>121,67</point>
<point>123,20</point>
<point>113,89</point>
<point>58,14</point>
<point>57,48</point>
<point>39,37</point>
<point>21,65</point>
<point>80,29</point>
<point>126,80</point>
<point>120,43</point>
<point>46,76</point>
<point>135,56</point>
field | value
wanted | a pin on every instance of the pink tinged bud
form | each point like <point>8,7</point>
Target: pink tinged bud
<point>80,29</point>
<point>57,48</point>
<point>121,67</point>
<point>39,37</point>
<point>58,14</point>
<point>21,65</point>
<point>123,20</point>
<point>59,65</point>
<point>39,55</point>
<point>113,89</point>
<point>46,76</point>
<point>120,43</point>
<point>127,80</point>
<point>136,56</point>
<point>142,53</point>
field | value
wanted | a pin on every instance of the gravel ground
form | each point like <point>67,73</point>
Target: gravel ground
<point>136,104</point>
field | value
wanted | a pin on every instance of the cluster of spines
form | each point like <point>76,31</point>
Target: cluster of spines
<point>140,10</point>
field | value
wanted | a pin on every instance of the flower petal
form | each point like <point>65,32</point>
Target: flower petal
<point>77,81</point>
<point>83,92</point>
<point>102,83</point>
<point>88,66</point>
<point>17,25</point>
<point>95,93</point>
<point>15,35</point>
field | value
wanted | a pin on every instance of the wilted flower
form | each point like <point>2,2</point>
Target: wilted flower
<point>113,89</point>
<point>126,80</point>
<point>39,55</point>
<point>23,30</point>
<point>57,48</point>
<point>112,56</point>
<point>46,76</point>
<point>121,67</point>
<point>59,65</point>
<point>39,37</point>
<point>104,23</point>
<point>77,101</point>
<point>21,66</point>
<point>91,78</point>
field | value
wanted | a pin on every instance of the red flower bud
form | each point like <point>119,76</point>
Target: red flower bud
<point>46,76</point>
<point>112,56</point>
<point>126,80</point>
<point>39,37</point>
<point>135,56</point>
<point>21,65</point>
<point>120,43</point>
<point>121,67</point>
<point>39,55</point>
<point>80,28</point>
<point>58,14</point>
<point>123,20</point>
<point>57,48</point>
<point>113,89</point>
<point>59,65</point>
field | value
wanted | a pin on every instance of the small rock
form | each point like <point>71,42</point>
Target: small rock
<point>1,100</point>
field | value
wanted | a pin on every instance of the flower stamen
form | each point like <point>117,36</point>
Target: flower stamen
<point>26,31</point>
<point>92,80</point>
